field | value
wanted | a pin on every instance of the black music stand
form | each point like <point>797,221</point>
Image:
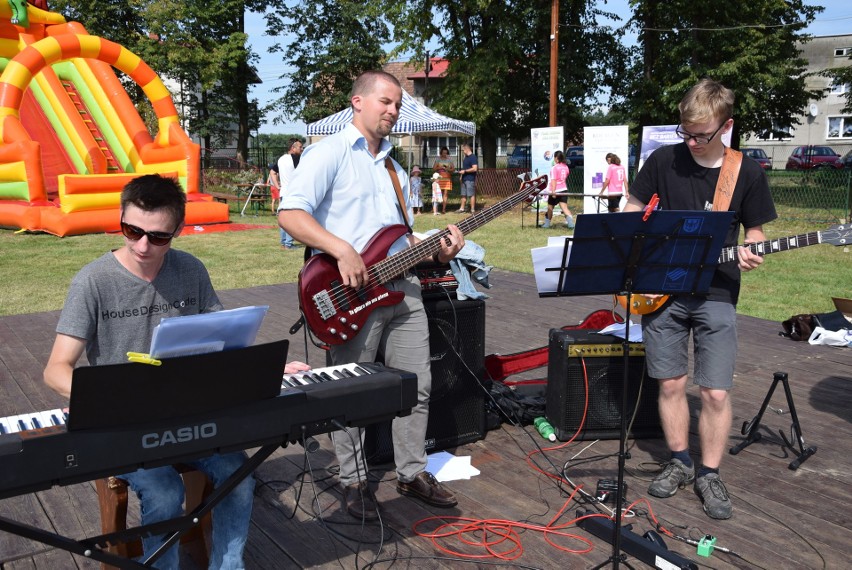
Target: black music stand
<point>667,252</point>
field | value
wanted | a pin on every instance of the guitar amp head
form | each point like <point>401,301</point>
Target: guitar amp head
<point>435,278</point>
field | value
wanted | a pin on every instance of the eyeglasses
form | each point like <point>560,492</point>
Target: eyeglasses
<point>154,238</point>
<point>699,139</point>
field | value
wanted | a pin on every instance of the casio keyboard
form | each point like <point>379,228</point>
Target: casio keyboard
<point>39,450</point>
<point>42,449</point>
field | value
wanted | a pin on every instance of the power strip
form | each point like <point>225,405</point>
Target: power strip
<point>654,553</point>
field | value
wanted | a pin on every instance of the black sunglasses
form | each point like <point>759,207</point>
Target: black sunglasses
<point>154,238</point>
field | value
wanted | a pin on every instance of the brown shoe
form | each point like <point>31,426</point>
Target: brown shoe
<point>426,488</point>
<point>360,502</point>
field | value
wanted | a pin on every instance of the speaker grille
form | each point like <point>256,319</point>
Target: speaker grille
<point>457,403</point>
<point>603,364</point>
<point>457,348</point>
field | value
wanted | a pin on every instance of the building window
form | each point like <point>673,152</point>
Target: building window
<point>778,133</point>
<point>434,144</point>
<point>839,88</point>
<point>842,52</point>
<point>840,127</point>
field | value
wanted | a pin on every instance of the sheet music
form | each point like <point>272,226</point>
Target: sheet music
<point>547,257</point>
<point>207,332</point>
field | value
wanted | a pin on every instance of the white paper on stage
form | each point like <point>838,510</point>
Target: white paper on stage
<point>447,467</point>
<point>549,257</point>
<point>207,332</point>
<point>617,329</point>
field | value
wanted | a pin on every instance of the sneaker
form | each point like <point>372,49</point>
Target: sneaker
<point>675,476</point>
<point>569,222</point>
<point>714,495</point>
<point>546,223</point>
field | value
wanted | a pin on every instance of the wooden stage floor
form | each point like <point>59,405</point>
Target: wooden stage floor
<point>782,518</point>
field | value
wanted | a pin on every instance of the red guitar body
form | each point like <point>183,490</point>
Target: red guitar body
<point>336,313</point>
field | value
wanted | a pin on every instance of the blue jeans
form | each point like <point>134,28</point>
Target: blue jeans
<point>161,495</point>
<point>286,239</point>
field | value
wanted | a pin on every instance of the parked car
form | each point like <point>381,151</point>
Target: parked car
<point>574,156</point>
<point>813,156</point>
<point>520,157</point>
<point>846,161</point>
<point>759,156</point>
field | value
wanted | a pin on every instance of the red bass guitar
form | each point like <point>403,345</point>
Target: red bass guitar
<point>336,313</point>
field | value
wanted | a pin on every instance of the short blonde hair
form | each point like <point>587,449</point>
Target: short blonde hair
<point>707,101</point>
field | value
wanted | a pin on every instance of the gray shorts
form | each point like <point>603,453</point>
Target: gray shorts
<point>714,335</point>
<point>468,188</point>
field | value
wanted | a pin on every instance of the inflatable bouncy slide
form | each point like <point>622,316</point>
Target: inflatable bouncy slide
<point>70,137</point>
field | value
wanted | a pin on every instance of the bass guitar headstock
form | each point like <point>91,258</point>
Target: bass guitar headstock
<point>533,187</point>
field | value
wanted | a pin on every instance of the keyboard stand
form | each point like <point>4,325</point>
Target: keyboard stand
<point>177,527</point>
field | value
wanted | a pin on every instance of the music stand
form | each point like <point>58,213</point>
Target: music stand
<point>667,252</point>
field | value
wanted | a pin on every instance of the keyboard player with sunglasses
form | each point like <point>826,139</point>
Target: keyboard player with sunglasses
<point>112,307</point>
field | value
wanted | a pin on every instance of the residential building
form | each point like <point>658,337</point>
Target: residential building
<point>822,122</point>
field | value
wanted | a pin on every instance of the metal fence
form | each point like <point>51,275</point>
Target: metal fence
<point>822,195</point>
<point>816,196</point>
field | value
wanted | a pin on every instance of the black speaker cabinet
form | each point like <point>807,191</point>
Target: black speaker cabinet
<point>457,404</point>
<point>580,358</point>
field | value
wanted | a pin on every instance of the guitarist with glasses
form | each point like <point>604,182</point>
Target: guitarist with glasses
<point>701,174</point>
<point>345,191</point>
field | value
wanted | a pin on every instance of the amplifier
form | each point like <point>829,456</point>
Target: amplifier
<point>457,403</point>
<point>435,278</point>
<point>582,362</point>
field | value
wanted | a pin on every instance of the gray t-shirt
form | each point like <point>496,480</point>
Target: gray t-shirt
<point>115,312</point>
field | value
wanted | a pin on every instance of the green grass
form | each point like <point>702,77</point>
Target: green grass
<point>36,269</point>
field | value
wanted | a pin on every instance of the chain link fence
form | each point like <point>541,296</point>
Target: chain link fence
<point>821,195</point>
<point>817,196</point>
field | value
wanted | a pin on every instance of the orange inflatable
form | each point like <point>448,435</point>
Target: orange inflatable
<point>70,137</point>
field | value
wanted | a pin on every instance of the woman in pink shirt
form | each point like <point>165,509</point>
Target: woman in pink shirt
<point>558,175</point>
<point>616,181</point>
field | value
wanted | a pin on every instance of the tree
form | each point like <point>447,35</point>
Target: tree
<point>333,41</point>
<point>500,58</point>
<point>202,45</point>
<point>842,76</point>
<point>750,47</point>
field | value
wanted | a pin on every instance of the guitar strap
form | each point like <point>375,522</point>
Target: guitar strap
<point>398,188</point>
<point>731,163</point>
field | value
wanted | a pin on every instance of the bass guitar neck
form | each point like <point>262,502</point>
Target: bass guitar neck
<point>336,313</point>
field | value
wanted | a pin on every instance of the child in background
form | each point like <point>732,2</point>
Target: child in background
<point>415,185</point>
<point>437,194</point>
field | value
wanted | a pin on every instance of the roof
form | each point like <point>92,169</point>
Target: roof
<point>414,118</point>
<point>438,68</point>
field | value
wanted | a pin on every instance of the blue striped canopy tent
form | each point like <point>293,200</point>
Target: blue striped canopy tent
<point>414,118</point>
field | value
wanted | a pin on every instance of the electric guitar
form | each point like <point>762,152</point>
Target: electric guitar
<point>840,234</point>
<point>336,313</point>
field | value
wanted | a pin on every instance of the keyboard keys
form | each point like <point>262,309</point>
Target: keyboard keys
<point>32,420</point>
<point>322,375</point>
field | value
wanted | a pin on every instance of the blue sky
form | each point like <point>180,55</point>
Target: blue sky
<point>836,19</point>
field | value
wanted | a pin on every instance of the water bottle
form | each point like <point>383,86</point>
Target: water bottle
<point>544,428</point>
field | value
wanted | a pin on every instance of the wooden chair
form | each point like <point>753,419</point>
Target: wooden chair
<point>112,500</point>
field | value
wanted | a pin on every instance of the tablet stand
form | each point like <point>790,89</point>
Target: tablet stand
<point>665,252</point>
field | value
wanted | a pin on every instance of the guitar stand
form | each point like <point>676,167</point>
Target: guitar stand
<point>750,428</point>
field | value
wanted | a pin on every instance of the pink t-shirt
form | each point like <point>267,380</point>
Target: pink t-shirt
<point>558,174</point>
<point>615,174</point>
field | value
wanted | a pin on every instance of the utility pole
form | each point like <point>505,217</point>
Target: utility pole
<point>554,58</point>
